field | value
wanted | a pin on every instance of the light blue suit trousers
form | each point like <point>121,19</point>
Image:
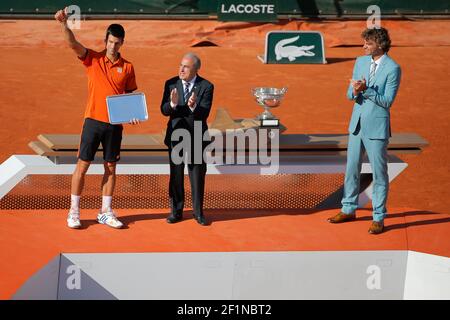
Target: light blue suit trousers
<point>369,131</point>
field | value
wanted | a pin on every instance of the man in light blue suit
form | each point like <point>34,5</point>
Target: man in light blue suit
<point>373,87</point>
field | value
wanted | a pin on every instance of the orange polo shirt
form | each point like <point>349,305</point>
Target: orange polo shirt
<point>105,79</point>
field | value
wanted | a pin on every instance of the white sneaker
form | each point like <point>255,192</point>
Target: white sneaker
<point>109,218</point>
<point>73,219</point>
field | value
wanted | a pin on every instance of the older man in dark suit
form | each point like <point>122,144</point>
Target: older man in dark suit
<point>187,101</point>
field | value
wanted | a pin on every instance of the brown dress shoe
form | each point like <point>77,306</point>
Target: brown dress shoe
<point>342,217</point>
<point>376,227</point>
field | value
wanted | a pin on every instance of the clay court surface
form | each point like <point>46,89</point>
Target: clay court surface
<point>44,90</point>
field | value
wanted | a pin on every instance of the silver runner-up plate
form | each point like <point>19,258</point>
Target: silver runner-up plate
<point>122,108</point>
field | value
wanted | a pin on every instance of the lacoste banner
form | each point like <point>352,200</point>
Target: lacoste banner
<point>247,10</point>
<point>289,47</point>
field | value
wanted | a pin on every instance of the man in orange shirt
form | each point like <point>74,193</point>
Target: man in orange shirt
<point>108,74</point>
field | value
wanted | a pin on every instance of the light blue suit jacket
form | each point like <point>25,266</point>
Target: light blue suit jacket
<point>372,107</point>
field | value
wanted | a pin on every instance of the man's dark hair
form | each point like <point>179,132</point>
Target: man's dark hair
<point>115,30</point>
<point>380,36</point>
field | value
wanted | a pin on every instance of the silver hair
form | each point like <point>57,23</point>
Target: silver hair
<point>195,58</point>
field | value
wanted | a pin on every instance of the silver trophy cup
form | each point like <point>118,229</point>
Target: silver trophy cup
<point>268,98</point>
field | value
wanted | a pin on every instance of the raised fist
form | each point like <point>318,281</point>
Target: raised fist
<point>61,15</point>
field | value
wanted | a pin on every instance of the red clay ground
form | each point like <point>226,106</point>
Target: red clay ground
<point>35,238</point>
<point>44,91</point>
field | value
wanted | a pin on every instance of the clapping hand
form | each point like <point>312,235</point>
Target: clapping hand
<point>174,97</point>
<point>192,100</point>
<point>358,86</point>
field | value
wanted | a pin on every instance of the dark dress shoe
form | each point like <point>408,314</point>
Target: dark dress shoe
<point>174,218</point>
<point>342,217</point>
<point>376,227</point>
<point>200,219</point>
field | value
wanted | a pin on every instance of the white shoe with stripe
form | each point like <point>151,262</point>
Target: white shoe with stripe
<point>109,218</point>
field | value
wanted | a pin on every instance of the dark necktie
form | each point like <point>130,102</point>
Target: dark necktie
<point>186,92</point>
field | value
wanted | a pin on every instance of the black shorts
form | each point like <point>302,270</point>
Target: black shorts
<point>96,132</point>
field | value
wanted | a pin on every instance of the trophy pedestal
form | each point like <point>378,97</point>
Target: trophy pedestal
<point>269,122</point>
<point>267,119</point>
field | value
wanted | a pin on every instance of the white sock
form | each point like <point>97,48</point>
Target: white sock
<point>106,203</point>
<point>75,202</point>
